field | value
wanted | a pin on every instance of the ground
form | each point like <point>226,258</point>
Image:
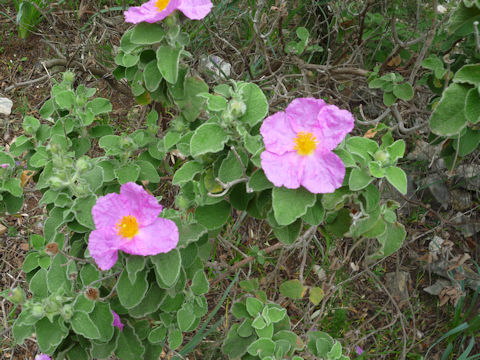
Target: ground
<point>379,307</point>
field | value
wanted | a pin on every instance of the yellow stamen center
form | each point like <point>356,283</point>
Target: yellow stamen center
<point>161,4</point>
<point>305,143</point>
<point>127,227</point>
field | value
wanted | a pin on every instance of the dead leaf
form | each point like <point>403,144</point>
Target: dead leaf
<point>3,229</point>
<point>395,61</point>
<point>458,261</point>
<point>26,176</point>
<point>370,133</point>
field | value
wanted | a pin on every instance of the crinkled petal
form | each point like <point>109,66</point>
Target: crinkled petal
<point>109,209</point>
<point>323,172</point>
<point>42,357</point>
<point>148,12</point>
<point>116,321</point>
<point>335,124</point>
<point>103,247</point>
<point>303,113</point>
<point>195,9</point>
<point>283,170</point>
<point>277,134</point>
<point>161,236</point>
<point>143,206</point>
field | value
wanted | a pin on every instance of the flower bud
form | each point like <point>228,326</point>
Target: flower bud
<point>82,189</point>
<point>237,107</point>
<point>381,155</point>
<point>83,164</point>
<point>67,312</point>
<point>126,143</point>
<point>51,249</point>
<point>81,100</point>
<point>52,306</point>
<point>16,295</point>
<point>68,77</point>
<point>92,294</point>
<point>56,183</point>
<point>38,311</point>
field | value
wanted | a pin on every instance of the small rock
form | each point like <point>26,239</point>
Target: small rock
<point>438,190</point>
<point>5,106</point>
<point>467,229</point>
<point>424,151</point>
<point>214,67</point>
<point>397,284</point>
<point>436,288</point>
<point>469,176</point>
<point>461,200</point>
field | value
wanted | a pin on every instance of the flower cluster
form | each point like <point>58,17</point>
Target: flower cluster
<point>129,222</point>
<point>299,143</point>
<point>156,10</point>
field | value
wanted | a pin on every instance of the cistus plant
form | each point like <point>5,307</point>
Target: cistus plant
<point>28,15</point>
<point>109,276</point>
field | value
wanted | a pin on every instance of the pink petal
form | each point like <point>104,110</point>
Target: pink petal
<point>148,12</point>
<point>160,236</point>
<point>283,170</point>
<point>195,9</point>
<point>303,113</point>
<point>143,206</point>
<point>103,245</point>
<point>335,124</point>
<point>323,172</point>
<point>109,209</point>
<point>277,133</point>
<point>117,322</point>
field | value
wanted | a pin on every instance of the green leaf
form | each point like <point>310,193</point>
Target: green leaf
<point>254,306</point>
<point>216,103</point>
<point>290,204</point>
<point>208,138</point>
<point>30,125</point>
<point>359,179</point>
<point>472,106</point>
<point>57,275</point>
<point>82,208</point>
<point>134,265</point>
<point>468,74</point>
<point>185,317</point>
<point>276,314</point>
<point>341,224</point>
<point>234,345</point>
<point>336,351</point>
<point>403,91</point>
<point>168,266</point>
<point>319,343</point>
<point>434,63</point>
<point>47,109</point>
<point>147,171</point>
<point>13,186</point>
<point>262,347</point>
<point>38,284</point>
<point>390,241</point>
<point>397,178</point>
<point>65,99</point>
<point>127,173</point>
<point>83,304</point>
<point>152,76</point>
<point>189,233</point>
<point>157,335</point>
<point>396,150</point>
<point>150,303</point>
<point>257,105</point>
<point>83,325</point>
<point>293,289</point>
<point>199,283</point>
<point>131,294</point>
<point>23,328</point>
<point>146,34</point>
<point>99,106</point>
<point>213,216</point>
<point>231,168</point>
<point>129,345</point>
<point>468,142</point>
<point>191,105</point>
<point>364,147</point>
<point>167,62</point>
<point>187,172</point>
<point>316,295</point>
<point>175,339</point>
<point>31,262</point>
<point>12,203</point>
<point>376,169</point>
<point>258,181</point>
<point>288,234</point>
<point>315,214</point>
<point>389,98</point>
<point>50,334</point>
<point>448,118</point>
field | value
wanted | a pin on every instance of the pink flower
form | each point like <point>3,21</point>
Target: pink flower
<point>358,350</point>
<point>4,166</point>
<point>129,222</point>
<point>42,357</point>
<point>156,10</point>
<point>116,321</point>
<point>299,143</point>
